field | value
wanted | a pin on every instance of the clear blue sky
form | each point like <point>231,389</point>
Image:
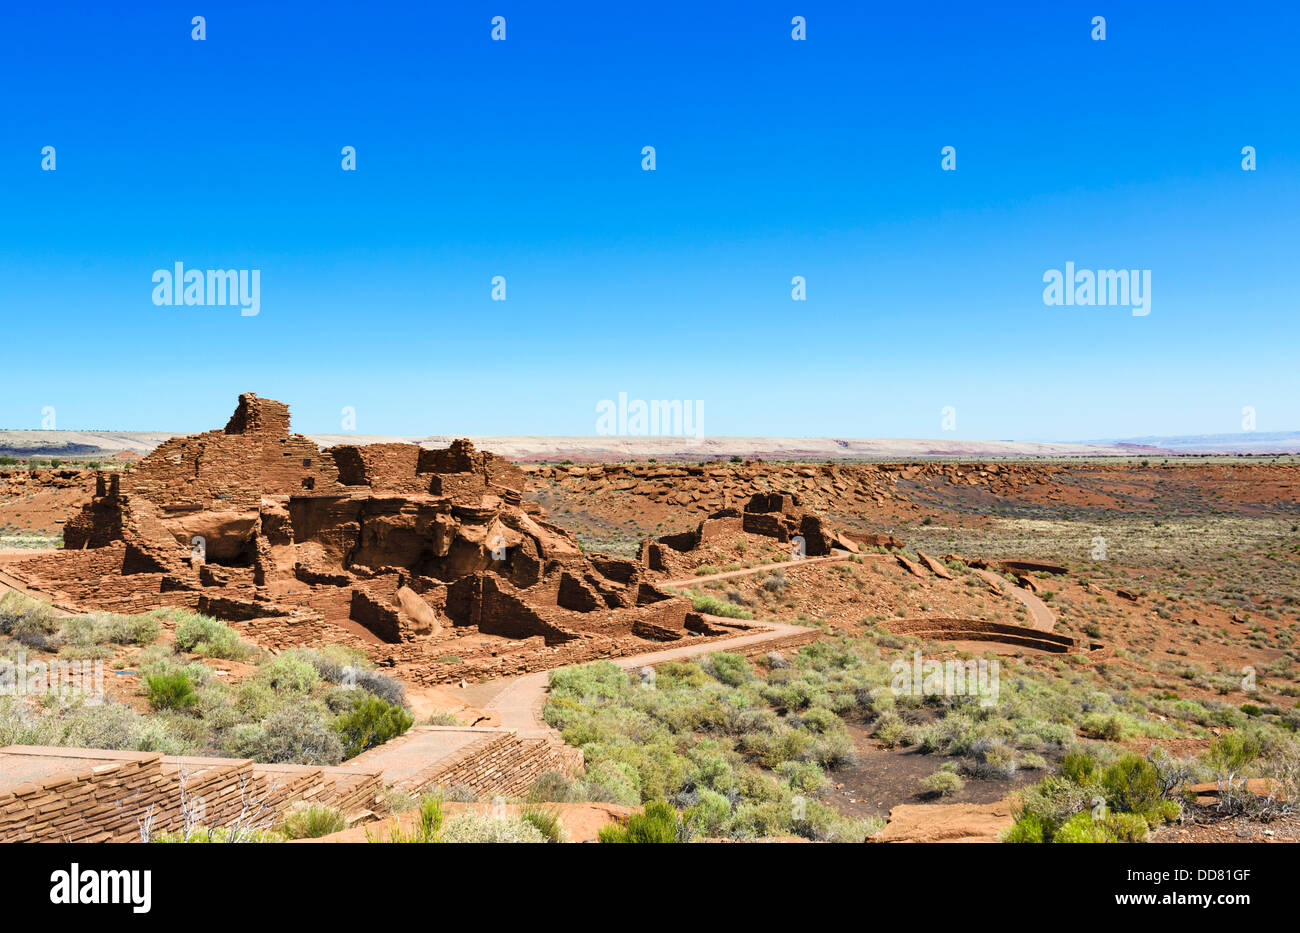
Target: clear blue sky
<point>775,158</point>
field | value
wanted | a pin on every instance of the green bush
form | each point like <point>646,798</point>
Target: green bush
<point>1105,728</point>
<point>218,834</point>
<point>107,628</point>
<point>1132,784</point>
<point>1232,752</point>
<point>588,681</point>
<point>174,690</point>
<point>710,813</point>
<point>1113,827</point>
<point>371,722</point>
<point>476,828</point>
<point>210,638</point>
<point>659,823</point>
<point>546,820</point>
<point>428,822</point>
<point>731,669</point>
<point>942,784</point>
<point>1028,828</point>
<point>1078,766</point>
<point>292,734</point>
<point>313,822</point>
<point>711,605</point>
<point>1082,827</point>
<point>290,673</point>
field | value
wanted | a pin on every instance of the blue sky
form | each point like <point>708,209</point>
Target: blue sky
<point>775,158</point>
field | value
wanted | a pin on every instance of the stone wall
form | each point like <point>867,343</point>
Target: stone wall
<point>95,795</point>
<point>232,469</point>
<point>499,762</point>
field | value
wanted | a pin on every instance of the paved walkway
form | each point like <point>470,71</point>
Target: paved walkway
<point>764,568</point>
<point>1042,618</point>
<point>521,700</point>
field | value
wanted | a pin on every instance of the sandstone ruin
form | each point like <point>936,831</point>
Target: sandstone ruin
<point>430,560</point>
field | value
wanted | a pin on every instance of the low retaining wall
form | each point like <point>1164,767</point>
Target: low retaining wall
<point>980,630</point>
<point>490,762</point>
<point>94,795</point>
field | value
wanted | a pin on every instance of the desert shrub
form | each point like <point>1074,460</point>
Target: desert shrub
<point>337,664</point>
<point>107,628</point>
<point>210,638</point>
<point>288,672</point>
<point>397,800</point>
<point>1082,827</point>
<point>711,605</point>
<point>31,624</point>
<point>1230,753</point>
<point>552,787</point>
<point>313,822</point>
<point>659,823</point>
<point>991,759</point>
<point>170,690</point>
<point>613,782</point>
<point>776,661</point>
<point>783,743</point>
<point>1049,804</point>
<point>804,777</point>
<point>890,730</point>
<point>834,750</point>
<point>16,608</point>
<point>428,821</point>
<point>1106,728</point>
<point>942,784</point>
<point>371,722</point>
<point>384,687</point>
<point>710,813</point>
<point>731,669</point>
<point>1078,766</point>
<point>1028,828</point>
<point>1113,827</point>
<point>588,681</point>
<point>475,828</point>
<point>293,734</point>
<point>102,725</point>
<point>546,820</point>
<point>444,718</point>
<point>218,834</point>
<point>331,661</point>
<point>675,674</point>
<point>1132,784</point>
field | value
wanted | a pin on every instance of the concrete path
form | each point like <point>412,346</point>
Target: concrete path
<point>764,568</point>
<point>1043,618</point>
<point>521,700</point>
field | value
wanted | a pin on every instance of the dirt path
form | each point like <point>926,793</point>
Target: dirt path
<point>519,703</point>
<point>762,568</point>
<point>1043,619</point>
